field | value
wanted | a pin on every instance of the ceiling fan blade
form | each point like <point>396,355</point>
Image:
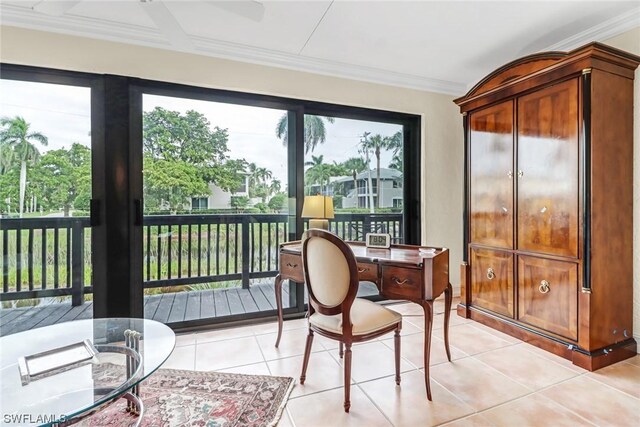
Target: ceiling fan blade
<point>54,8</point>
<point>167,24</point>
<point>250,9</point>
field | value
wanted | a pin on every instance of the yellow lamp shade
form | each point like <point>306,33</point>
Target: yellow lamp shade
<point>320,207</point>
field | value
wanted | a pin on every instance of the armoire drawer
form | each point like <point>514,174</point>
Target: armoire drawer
<point>492,280</point>
<point>548,295</point>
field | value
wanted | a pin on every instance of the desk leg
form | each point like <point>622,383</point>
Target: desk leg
<point>278,288</point>
<point>448,297</point>
<point>427,306</point>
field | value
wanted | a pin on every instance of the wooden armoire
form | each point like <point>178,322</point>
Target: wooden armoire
<point>549,203</point>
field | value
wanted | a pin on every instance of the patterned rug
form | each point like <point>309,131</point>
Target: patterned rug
<point>208,399</point>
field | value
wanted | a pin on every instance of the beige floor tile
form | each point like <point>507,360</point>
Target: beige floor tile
<point>292,343</point>
<point>476,420</point>
<point>285,420</point>
<point>472,340</point>
<point>476,383</point>
<point>224,334</point>
<point>212,356</point>
<point>635,360</point>
<point>529,369</point>
<point>185,339</point>
<point>412,349</point>
<point>325,410</point>
<point>533,410</point>
<point>407,404</point>
<point>259,368</point>
<point>373,360</point>
<point>597,402</point>
<point>501,335</point>
<point>323,372</point>
<point>406,308</point>
<point>548,355</point>
<point>183,357</point>
<point>271,327</point>
<point>623,376</point>
<point>438,321</point>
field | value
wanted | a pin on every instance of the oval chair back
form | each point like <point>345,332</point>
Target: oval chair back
<point>331,274</point>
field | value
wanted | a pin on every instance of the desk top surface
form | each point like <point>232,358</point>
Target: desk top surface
<point>404,254</point>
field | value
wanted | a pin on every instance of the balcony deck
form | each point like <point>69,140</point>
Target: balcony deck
<point>170,308</point>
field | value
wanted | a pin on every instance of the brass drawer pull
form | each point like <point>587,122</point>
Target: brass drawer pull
<point>490,273</point>
<point>292,265</point>
<point>544,287</point>
<point>362,270</point>
<point>399,282</point>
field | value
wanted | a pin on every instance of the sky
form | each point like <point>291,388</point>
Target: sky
<point>62,113</point>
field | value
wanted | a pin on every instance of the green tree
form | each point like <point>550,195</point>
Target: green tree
<point>239,203</point>
<point>397,159</point>
<point>258,177</point>
<point>277,202</point>
<point>193,153</point>
<point>318,173</point>
<point>377,143</point>
<point>16,134</point>
<point>315,131</point>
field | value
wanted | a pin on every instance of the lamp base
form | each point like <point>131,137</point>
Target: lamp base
<point>319,223</point>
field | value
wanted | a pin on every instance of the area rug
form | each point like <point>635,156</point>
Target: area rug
<point>209,399</point>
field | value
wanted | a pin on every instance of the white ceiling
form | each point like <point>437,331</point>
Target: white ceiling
<point>441,46</point>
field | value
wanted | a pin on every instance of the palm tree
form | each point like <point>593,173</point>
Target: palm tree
<point>397,161</point>
<point>318,172</point>
<point>6,157</point>
<point>376,143</point>
<point>15,133</point>
<point>275,186</point>
<point>315,131</point>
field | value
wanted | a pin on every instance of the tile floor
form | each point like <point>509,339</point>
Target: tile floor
<point>493,380</point>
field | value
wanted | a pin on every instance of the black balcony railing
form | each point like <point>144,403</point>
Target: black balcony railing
<point>51,257</point>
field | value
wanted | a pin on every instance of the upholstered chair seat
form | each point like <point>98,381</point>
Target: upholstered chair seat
<point>366,316</point>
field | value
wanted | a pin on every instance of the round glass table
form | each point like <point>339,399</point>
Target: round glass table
<point>59,374</point>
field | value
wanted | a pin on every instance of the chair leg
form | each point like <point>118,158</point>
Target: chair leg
<point>341,351</point>
<point>307,353</point>
<point>347,378</point>
<point>396,342</point>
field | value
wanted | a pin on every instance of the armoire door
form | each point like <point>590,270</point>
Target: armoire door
<point>492,280</point>
<point>548,170</point>
<point>491,176</point>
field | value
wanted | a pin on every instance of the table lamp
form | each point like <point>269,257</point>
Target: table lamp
<point>319,209</point>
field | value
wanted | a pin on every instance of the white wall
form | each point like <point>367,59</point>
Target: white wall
<point>442,136</point>
<point>630,41</point>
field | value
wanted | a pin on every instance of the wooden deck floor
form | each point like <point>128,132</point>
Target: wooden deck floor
<point>170,308</point>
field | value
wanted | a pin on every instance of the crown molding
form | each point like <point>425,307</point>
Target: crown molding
<point>133,34</point>
<point>600,32</point>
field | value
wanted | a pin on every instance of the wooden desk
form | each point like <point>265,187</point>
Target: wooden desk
<point>401,272</point>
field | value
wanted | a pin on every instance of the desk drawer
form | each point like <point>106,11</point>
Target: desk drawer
<point>291,267</point>
<point>402,283</point>
<point>367,272</point>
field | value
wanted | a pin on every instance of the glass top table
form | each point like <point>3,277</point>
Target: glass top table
<point>64,395</point>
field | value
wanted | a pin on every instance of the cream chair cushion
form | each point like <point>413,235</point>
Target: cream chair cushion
<point>366,317</point>
<point>328,271</point>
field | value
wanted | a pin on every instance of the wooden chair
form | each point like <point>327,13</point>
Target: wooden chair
<point>331,275</point>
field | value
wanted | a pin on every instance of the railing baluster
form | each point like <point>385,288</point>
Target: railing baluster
<point>179,250</point>
<point>269,246</point>
<point>169,254</point>
<point>5,257</point>
<point>260,247</point>
<point>189,252</point>
<point>218,249</point>
<point>226,250</point>
<point>56,258</point>
<point>43,261</point>
<point>235,246</point>
<point>148,230</point>
<point>18,260</point>
<point>77,255</point>
<point>245,250</point>
<point>30,259</point>
<point>277,241</point>
<point>158,253</point>
<point>209,249</point>
<point>68,257</point>
<point>199,249</point>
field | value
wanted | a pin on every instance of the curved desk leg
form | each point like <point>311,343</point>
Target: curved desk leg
<point>278,288</point>
<point>448,298</point>
<point>427,306</point>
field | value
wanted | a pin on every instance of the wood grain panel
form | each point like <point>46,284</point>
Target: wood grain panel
<point>556,310</point>
<point>491,176</point>
<point>492,280</point>
<point>548,170</point>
